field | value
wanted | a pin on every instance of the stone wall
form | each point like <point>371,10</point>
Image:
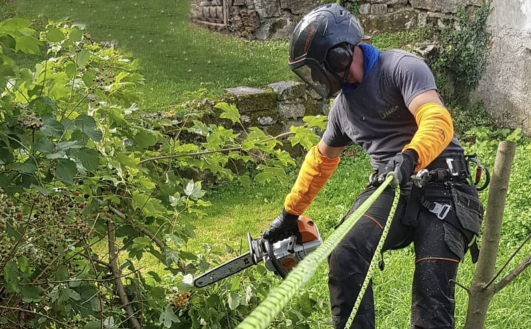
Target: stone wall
<point>269,19</point>
<point>505,87</point>
<point>278,107</point>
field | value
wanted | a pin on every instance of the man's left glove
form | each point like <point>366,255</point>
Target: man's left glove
<point>284,226</point>
<point>403,165</point>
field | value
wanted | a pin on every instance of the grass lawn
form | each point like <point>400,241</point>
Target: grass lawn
<point>176,55</point>
<point>236,211</point>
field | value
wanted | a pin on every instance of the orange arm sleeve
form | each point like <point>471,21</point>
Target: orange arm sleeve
<point>314,173</point>
<point>435,132</point>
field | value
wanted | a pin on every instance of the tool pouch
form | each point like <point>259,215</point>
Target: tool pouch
<point>468,208</point>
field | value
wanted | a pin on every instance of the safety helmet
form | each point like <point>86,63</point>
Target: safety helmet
<point>321,47</point>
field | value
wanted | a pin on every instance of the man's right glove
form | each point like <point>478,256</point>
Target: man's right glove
<point>403,165</point>
<point>284,226</point>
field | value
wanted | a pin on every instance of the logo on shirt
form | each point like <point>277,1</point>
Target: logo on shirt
<point>385,114</point>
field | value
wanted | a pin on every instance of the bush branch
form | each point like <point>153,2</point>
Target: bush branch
<point>508,260</point>
<point>145,231</point>
<point>509,278</point>
<point>35,313</point>
<point>116,273</point>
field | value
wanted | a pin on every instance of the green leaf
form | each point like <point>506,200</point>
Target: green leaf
<point>87,125</point>
<point>145,138</point>
<point>88,78</point>
<point>199,128</point>
<point>146,183</point>
<point>41,190</point>
<point>178,242</point>
<point>234,300</point>
<point>167,317</point>
<point>235,283</point>
<point>171,256</point>
<point>24,266</point>
<point>55,35</point>
<point>229,112</point>
<point>187,255</point>
<point>126,160</point>
<point>193,190</point>
<point>318,121</point>
<point>28,167</point>
<point>141,243</point>
<point>245,181</point>
<point>303,136</point>
<point>65,171</point>
<point>75,35</point>
<point>91,208</point>
<point>70,70</point>
<point>31,294</point>
<point>72,294</point>
<point>42,106</point>
<point>82,58</point>
<point>155,276</point>
<point>44,145</point>
<point>89,158</point>
<point>11,277</point>
<point>28,45</point>
<point>92,325</point>
<point>139,200</point>
<point>51,127</point>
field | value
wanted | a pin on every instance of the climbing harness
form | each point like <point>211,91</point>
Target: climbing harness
<point>278,298</point>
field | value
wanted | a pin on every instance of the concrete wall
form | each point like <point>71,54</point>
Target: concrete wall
<point>505,87</point>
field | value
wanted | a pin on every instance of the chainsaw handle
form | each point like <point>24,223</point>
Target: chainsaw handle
<point>270,252</point>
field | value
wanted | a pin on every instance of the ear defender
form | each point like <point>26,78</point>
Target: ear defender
<point>339,58</point>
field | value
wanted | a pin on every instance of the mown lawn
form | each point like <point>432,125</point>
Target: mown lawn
<point>176,55</point>
<point>236,211</point>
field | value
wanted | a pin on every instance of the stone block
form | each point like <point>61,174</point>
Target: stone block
<point>446,7</point>
<point>392,22</point>
<point>365,9</point>
<point>196,11</point>
<point>288,90</point>
<point>422,19</point>
<point>391,2</point>
<point>312,107</point>
<point>276,28</point>
<point>291,110</point>
<point>298,7</point>
<point>249,100</point>
<point>267,8</point>
<point>379,9</point>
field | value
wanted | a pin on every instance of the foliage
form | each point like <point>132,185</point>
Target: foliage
<point>86,177</point>
<point>470,117</point>
<point>464,53</point>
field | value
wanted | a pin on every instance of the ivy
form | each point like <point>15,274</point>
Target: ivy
<point>464,54</point>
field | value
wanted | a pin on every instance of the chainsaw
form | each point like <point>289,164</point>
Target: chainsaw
<point>279,257</point>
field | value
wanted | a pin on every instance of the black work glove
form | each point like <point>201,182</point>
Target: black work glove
<point>284,226</point>
<point>403,165</point>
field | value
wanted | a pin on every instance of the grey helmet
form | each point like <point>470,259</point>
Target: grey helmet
<point>321,47</point>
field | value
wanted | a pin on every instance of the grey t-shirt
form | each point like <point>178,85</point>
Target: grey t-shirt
<point>375,114</point>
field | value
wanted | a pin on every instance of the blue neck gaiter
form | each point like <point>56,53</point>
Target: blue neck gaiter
<point>370,57</point>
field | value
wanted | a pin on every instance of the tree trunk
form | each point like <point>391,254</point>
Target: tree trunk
<point>481,292</point>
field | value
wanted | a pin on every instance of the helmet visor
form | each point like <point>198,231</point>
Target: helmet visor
<point>316,77</point>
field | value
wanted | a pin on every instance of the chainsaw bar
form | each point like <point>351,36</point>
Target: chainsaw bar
<point>225,270</point>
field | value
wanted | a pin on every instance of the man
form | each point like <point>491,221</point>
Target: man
<point>389,105</point>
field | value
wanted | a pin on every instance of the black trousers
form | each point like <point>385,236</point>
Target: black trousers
<point>439,247</point>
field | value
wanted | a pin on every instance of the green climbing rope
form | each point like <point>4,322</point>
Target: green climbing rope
<point>278,298</point>
<point>374,259</point>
